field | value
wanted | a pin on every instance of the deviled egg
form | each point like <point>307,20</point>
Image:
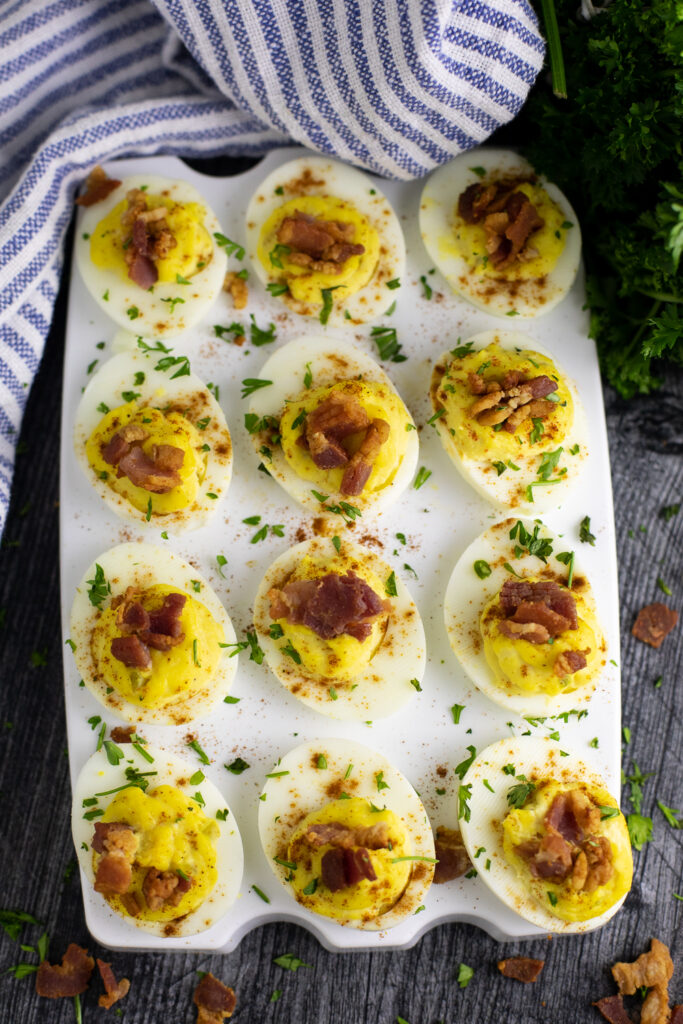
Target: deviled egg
<point>150,637</point>
<point>340,630</point>
<point>155,840</point>
<point>521,618</point>
<point>148,254</point>
<point>325,240</point>
<point>346,834</point>
<point>153,440</point>
<point>510,419</point>
<point>549,836</point>
<point>504,238</point>
<point>331,428</point>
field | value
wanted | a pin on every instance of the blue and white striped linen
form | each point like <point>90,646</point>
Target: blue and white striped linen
<point>395,86</point>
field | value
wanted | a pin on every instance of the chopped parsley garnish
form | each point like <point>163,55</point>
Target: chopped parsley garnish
<point>388,344</point>
<point>537,432</point>
<point>327,302</point>
<point>276,631</point>
<point>259,335</point>
<point>252,384</point>
<point>482,568</point>
<point>221,560</point>
<point>518,795</point>
<point>464,766</point>
<point>99,587</point>
<point>464,794</point>
<point>381,784</point>
<point>104,409</point>
<point>669,511</point>
<point>541,547</point>
<point>460,351</point>
<point>130,396</point>
<point>337,543</point>
<point>113,752</point>
<point>390,586</point>
<point>133,313</point>
<point>235,328</point>
<point>567,558</point>
<point>670,814</point>
<point>276,253</point>
<point>255,652</point>
<point>288,961</point>
<point>174,302</point>
<point>231,248</point>
<point>260,892</point>
<point>665,589</point>
<point>238,766</point>
<point>499,467</point>
<point>182,362</point>
<point>465,975</point>
<point>456,711</point>
<point>639,830</point>
<point>195,745</point>
<point>333,693</point>
<point>308,376</point>
<point>427,290</point>
<point>291,652</point>
<point>552,898</point>
<point>585,535</point>
<point>277,288</point>
<point>422,477</point>
<point>322,761</point>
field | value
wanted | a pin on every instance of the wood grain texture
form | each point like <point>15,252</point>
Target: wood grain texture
<point>37,859</point>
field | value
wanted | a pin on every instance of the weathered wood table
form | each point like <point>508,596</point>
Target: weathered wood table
<point>37,864</point>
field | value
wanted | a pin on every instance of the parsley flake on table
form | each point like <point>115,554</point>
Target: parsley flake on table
<point>288,961</point>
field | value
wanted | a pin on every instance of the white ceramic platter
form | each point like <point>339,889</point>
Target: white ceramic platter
<point>439,521</point>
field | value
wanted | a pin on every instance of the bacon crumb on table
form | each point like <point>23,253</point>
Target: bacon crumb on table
<point>237,288</point>
<point>654,623</point>
<point>652,970</point>
<point>98,186</point>
<point>613,1010</point>
<point>214,1000</point>
<point>115,990</point>
<point>521,968</point>
<point>122,733</point>
<point>55,981</point>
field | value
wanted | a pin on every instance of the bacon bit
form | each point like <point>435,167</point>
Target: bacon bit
<point>451,855</point>
<point>654,623</point>
<point>131,652</point>
<point>360,467</point>
<point>214,1000</point>
<point>549,858</point>
<point>164,887</point>
<point>115,990</point>
<point>336,417</point>
<point>512,401</point>
<point>98,186</point>
<point>537,611</point>
<point>149,238</point>
<point>68,979</point>
<point>652,968</point>
<point>341,868</point>
<point>509,217</point>
<point>677,1015</point>
<point>574,815</point>
<point>160,629</point>
<point>531,631</point>
<point>122,733</point>
<point>569,662</point>
<point>373,837</point>
<point>331,605</point>
<point>117,843</point>
<point>476,383</point>
<point>559,599</point>
<point>131,902</point>
<point>521,968</point>
<point>147,472</point>
<point>612,1009</point>
<point>319,245</point>
<point>238,288</point>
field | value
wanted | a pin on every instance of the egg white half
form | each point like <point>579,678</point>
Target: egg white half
<point>438,210</point>
<point>328,362</point>
<point>158,389</point>
<point>296,788</point>
<point>323,177</point>
<point>154,317</point>
<point>98,776</point>
<point>508,491</point>
<point>384,685</point>
<point>143,565</point>
<point>534,757</point>
<point>467,594</point>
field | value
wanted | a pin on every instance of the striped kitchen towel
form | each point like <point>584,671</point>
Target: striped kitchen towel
<point>395,86</point>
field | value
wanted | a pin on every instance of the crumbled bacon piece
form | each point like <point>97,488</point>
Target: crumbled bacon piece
<point>373,837</point>
<point>238,289</point>
<point>214,1000</point>
<point>131,652</point>
<point>342,867</point>
<point>336,417</point>
<point>613,1010</point>
<point>70,978</point>
<point>156,472</point>
<point>536,611</point>
<point>569,662</point>
<point>541,613</point>
<point>549,858</point>
<point>149,240</point>
<point>509,219</point>
<point>117,844</point>
<point>652,968</point>
<point>451,856</point>
<point>560,600</point>
<point>574,815</point>
<point>654,623</point>
<point>593,865</point>
<point>115,990</point>
<point>319,245</point>
<point>164,887</point>
<point>676,1014</point>
<point>98,186</point>
<point>511,401</point>
<point>521,968</point>
<point>122,733</point>
<point>360,467</point>
<point>534,632</point>
<point>330,605</point>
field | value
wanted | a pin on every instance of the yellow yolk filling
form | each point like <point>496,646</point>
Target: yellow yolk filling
<point>179,672</point>
<point>525,823</point>
<point>522,667</point>
<point>307,285</point>
<point>342,657</point>
<point>365,899</point>
<point>185,221</point>
<point>170,428</point>
<point>474,440</point>
<point>469,240</point>
<point>379,402</point>
<point>174,834</point>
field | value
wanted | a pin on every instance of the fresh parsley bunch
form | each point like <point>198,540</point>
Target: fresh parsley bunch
<point>614,146</point>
